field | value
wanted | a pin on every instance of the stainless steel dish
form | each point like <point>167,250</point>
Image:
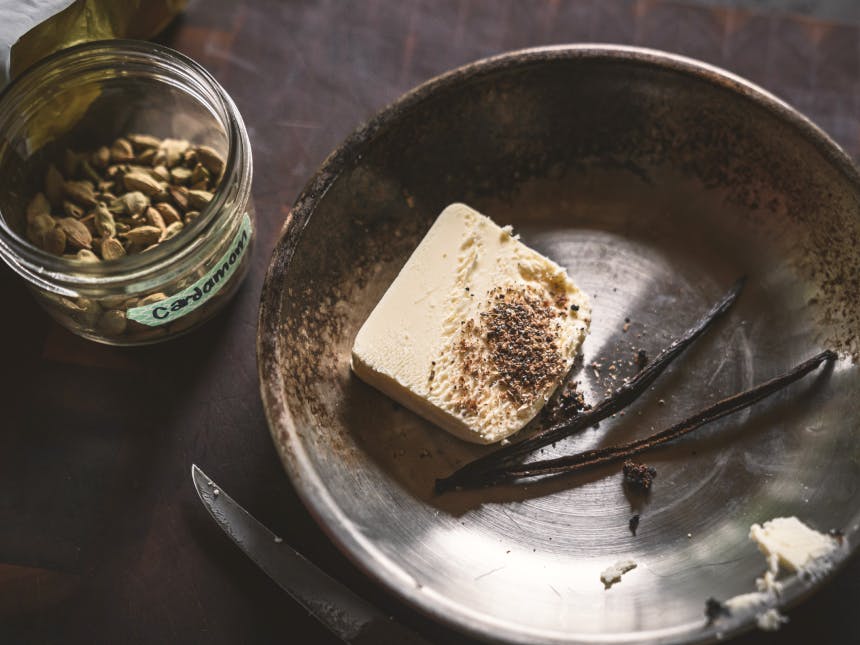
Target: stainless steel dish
<point>656,180</point>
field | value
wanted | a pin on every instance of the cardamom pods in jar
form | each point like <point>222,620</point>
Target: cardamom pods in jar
<point>115,201</point>
<point>131,191</point>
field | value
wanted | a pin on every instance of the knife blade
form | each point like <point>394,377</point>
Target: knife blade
<point>341,611</point>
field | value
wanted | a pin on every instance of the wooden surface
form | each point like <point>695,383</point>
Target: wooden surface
<point>102,539</point>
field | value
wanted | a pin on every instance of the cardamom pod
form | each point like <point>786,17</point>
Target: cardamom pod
<point>133,203</point>
<point>101,158</point>
<point>104,222</point>
<point>198,199</point>
<point>199,174</point>
<point>87,256</point>
<point>173,149</point>
<point>88,310</point>
<point>72,210</point>
<point>90,173</point>
<point>38,206</point>
<point>179,194</point>
<point>55,241</point>
<point>131,248</point>
<point>151,299</point>
<point>80,192</point>
<point>161,173</point>
<point>38,226</point>
<point>121,151</point>
<point>142,182</point>
<point>111,248</point>
<point>147,156</point>
<point>54,186</point>
<point>211,159</point>
<point>143,235</point>
<point>168,213</point>
<point>112,302</point>
<point>90,223</point>
<point>180,175</point>
<point>154,218</point>
<point>143,141</point>
<point>172,230</point>
<point>145,170</point>
<point>77,234</point>
<point>161,196</point>
<point>112,322</point>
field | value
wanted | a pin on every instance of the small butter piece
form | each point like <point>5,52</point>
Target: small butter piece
<point>613,574</point>
<point>770,620</point>
<point>477,330</point>
<point>788,542</point>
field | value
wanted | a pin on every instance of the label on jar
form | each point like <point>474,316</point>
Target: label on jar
<point>184,302</point>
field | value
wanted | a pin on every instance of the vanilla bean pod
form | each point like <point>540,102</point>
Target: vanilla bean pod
<point>621,398</point>
<point>589,458</point>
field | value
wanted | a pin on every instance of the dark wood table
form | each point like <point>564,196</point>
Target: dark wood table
<point>102,539</point>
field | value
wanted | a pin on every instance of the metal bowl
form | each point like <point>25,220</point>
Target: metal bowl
<point>656,180</point>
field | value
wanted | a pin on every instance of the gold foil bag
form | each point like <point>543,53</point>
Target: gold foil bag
<point>86,20</point>
<point>83,21</point>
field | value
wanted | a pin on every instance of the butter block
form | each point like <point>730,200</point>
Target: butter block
<point>477,330</point>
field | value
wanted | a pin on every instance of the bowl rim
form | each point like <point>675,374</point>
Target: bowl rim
<point>283,430</point>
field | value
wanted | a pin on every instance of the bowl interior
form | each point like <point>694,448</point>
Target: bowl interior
<point>656,182</point>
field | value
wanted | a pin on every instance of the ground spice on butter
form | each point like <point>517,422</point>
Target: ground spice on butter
<point>513,342</point>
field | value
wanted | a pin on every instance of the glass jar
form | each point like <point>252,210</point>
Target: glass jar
<point>83,98</point>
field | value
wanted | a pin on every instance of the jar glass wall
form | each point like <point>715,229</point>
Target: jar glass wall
<point>86,97</point>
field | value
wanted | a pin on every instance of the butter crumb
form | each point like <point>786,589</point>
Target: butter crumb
<point>770,620</point>
<point>613,574</point>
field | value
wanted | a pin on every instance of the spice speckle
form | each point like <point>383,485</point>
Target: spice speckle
<point>637,474</point>
<point>714,609</point>
<point>514,341</point>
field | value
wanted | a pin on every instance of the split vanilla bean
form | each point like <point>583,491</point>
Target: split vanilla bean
<point>472,473</point>
<point>589,458</point>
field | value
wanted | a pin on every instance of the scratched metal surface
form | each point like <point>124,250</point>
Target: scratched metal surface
<point>655,181</point>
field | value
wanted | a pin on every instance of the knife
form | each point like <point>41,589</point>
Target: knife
<point>342,612</point>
